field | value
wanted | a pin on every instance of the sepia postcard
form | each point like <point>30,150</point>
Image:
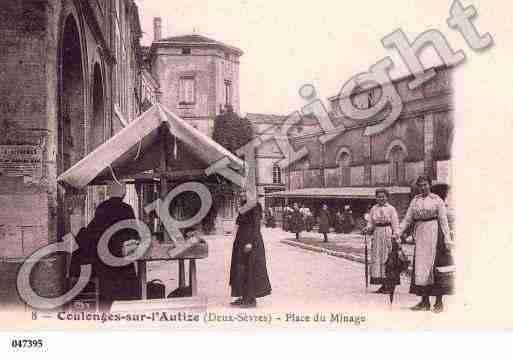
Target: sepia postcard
<point>252,165</point>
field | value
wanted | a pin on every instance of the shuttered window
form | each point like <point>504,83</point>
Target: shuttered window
<point>187,91</point>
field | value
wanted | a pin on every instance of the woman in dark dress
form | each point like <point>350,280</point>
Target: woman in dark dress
<point>324,222</point>
<point>269,218</point>
<point>337,222</point>
<point>248,272</point>
<point>287,214</point>
<point>347,220</point>
<point>296,221</point>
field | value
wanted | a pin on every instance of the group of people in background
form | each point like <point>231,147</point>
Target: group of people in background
<point>299,218</point>
<point>429,221</point>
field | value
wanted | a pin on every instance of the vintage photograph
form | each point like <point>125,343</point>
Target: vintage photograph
<point>230,163</point>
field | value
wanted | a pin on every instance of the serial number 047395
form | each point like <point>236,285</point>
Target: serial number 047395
<point>27,343</point>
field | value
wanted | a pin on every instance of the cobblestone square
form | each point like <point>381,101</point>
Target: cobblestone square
<point>300,278</point>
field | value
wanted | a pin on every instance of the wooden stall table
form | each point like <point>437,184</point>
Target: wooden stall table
<point>164,251</point>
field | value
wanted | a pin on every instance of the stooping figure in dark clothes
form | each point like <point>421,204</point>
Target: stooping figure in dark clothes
<point>115,283</point>
<point>248,272</point>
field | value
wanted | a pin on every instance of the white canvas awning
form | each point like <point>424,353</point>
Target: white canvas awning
<point>137,148</point>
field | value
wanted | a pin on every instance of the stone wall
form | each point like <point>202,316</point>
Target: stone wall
<point>41,114</point>
<point>424,132</point>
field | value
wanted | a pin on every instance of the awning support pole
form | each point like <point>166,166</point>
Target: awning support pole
<point>163,170</point>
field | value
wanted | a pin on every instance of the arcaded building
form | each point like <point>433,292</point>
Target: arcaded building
<point>69,80</point>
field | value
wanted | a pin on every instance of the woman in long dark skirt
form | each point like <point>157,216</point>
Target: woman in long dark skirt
<point>337,222</point>
<point>297,223</point>
<point>324,222</point>
<point>287,214</point>
<point>347,220</point>
<point>248,272</point>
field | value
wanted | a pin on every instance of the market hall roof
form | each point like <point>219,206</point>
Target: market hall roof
<point>137,148</point>
<point>195,40</point>
<point>339,192</point>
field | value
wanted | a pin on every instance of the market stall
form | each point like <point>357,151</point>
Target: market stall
<point>145,152</point>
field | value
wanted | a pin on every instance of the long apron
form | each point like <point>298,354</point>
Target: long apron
<point>380,250</point>
<point>426,237</point>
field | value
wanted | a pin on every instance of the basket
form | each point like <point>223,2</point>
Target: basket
<point>444,276</point>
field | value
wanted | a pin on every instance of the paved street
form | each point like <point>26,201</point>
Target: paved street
<point>300,278</point>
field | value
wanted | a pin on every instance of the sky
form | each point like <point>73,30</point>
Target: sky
<point>290,43</point>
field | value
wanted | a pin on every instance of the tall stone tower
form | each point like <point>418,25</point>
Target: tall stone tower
<point>198,76</point>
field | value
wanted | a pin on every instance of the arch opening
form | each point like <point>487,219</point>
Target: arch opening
<point>397,168</point>
<point>97,129</point>
<point>344,165</point>
<point>71,125</point>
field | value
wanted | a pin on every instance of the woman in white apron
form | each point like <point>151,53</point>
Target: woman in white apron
<point>383,223</point>
<point>427,213</point>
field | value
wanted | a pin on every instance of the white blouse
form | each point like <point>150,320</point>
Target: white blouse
<point>424,208</point>
<point>385,214</point>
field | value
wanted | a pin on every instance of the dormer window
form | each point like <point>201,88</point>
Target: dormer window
<point>186,51</point>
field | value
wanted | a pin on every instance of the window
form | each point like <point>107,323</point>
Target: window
<point>397,171</point>
<point>344,161</point>
<point>228,92</point>
<point>187,93</point>
<point>276,174</point>
<point>186,51</point>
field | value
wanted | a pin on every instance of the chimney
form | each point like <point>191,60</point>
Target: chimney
<point>157,28</point>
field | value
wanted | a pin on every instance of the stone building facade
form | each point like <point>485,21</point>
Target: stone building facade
<point>198,76</point>
<point>418,142</point>
<point>70,78</point>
